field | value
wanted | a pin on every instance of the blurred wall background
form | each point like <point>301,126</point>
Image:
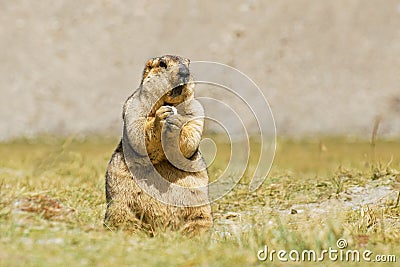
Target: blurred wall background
<point>326,67</point>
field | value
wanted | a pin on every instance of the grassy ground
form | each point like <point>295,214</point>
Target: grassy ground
<point>52,204</point>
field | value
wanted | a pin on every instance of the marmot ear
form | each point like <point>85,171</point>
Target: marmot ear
<point>147,68</point>
<point>149,64</point>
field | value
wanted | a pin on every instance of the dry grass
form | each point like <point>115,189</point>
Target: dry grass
<point>52,204</point>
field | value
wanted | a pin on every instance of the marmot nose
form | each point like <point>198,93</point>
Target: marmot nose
<point>184,71</point>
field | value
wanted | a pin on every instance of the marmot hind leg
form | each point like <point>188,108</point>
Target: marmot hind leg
<point>197,226</point>
<point>120,216</point>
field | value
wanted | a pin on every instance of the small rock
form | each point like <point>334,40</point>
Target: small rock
<point>231,215</point>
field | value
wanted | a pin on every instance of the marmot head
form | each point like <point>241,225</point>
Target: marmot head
<point>168,76</point>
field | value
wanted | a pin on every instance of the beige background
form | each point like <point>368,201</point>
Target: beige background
<point>326,67</point>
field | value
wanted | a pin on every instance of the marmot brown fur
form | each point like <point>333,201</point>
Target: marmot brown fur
<point>154,180</point>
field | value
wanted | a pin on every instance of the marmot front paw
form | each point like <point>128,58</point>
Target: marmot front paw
<point>163,112</point>
<point>175,122</point>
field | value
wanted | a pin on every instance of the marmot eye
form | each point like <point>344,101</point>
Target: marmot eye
<point>163,64</point>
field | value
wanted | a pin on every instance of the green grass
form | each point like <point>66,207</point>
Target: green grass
<point>52,204</point>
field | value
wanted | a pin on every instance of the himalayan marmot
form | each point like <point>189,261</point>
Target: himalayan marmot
<point>156,178</point>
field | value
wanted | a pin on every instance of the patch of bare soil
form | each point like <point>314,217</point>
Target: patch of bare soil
<point>364,210</point>
<point>48,208</point>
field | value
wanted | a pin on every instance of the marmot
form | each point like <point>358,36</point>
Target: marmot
<point>150,182</point>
